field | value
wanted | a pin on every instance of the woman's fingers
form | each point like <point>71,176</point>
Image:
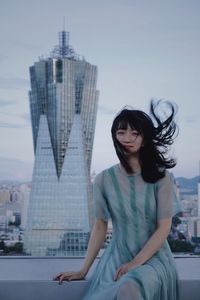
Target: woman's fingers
<point>62,276</point>
<point>118,273</point>
<point>68,276</point>
<point>121,271</point>
<point>57,276</point>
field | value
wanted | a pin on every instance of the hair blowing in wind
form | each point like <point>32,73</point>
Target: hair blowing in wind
<point>158,129</point>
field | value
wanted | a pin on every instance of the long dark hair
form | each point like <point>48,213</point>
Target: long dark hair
<point>158,136</point>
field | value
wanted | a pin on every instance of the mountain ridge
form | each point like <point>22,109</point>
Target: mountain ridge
<point>190,184</point>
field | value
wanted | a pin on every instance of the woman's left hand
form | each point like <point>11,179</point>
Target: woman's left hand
<point>124,269</point>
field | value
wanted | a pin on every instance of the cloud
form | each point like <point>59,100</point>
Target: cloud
<point>26,46</point>
<point>26,117</point>
<point>14,169</point>
<point>3,57</point>
<point>13,82</point>
<point>4,103</point>
<point>14,120</point>
<point>191,119</point>
<point>16,126</point>
<point>105,110</point>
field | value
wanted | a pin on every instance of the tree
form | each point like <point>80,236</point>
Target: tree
<point>180,246</point>
<point>2,245</point>
<point>18,248</point>
<point>176,221</point>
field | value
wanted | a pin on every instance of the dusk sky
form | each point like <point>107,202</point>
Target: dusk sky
<point>143,50</point>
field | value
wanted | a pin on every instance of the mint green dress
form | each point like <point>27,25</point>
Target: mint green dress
<point>135,207</point>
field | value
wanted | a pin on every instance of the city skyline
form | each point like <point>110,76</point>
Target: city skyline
<point>142,50</point>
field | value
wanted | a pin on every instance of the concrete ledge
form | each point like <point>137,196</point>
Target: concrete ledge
<point>41,290</point>
<point>23,278</point>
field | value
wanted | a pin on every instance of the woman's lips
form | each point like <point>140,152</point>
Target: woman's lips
<point>128,146</point>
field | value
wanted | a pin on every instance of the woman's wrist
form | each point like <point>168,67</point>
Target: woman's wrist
<point>84,271</point>
<point>135,263</point>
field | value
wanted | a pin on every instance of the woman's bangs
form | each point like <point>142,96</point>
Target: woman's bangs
<point>123,124</point>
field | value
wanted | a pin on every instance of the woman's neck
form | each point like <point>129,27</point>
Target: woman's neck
<point>134,164</point>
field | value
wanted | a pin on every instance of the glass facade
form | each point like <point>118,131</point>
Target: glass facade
<point>63,104</point>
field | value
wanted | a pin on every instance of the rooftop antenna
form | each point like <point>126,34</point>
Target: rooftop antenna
<point>63,49</point>
<point>64,23</point>
<point>63,41</point>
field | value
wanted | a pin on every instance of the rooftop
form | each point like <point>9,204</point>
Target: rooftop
<point>24,277</point>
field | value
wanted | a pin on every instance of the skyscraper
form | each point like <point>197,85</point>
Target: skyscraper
<point>63,105</point>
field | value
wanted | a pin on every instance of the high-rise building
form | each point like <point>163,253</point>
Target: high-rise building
<point>24,200</point>
<point>198,187</point>
<point>63,105</point>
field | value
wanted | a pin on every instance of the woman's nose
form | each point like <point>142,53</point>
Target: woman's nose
<point>127,137</point>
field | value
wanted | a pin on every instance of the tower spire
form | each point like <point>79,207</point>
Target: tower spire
<point>63,43</point>
<point>63,49</point>
<point>64,23</point>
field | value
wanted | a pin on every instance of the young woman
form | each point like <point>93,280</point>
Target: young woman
<point>140,197</point>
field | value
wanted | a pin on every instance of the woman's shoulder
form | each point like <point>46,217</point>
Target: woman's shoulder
<point>105,173</point>
<point>168,178</point>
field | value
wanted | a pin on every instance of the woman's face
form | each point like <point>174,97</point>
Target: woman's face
<point>130,139</point>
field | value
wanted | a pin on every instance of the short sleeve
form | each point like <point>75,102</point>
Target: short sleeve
<point>168,204</point>
<point>100,201</point>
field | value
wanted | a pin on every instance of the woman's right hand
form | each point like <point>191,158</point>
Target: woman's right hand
<point>71,275</point>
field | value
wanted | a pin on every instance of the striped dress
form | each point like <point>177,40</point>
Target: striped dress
<point>134,207</point>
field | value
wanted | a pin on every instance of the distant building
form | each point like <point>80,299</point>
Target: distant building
<point>25,194</point>
<point>190,227</point>
<point>189,205</point>
<point>4,196</point>
<point>197,228</point>
<point>63,104</point>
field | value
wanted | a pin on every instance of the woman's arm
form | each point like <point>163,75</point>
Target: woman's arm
<point>95,243</point>
<point>149,249</point>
